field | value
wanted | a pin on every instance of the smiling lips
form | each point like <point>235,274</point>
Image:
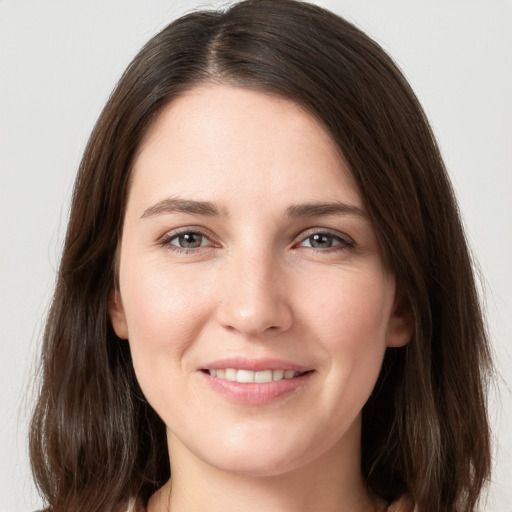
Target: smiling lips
<point>249,376</point>
<point>255,382</point>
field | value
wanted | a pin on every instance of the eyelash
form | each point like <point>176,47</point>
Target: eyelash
<point>343,241</point>
<point>166,240</point>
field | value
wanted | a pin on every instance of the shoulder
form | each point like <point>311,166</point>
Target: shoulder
<point>404,504</point>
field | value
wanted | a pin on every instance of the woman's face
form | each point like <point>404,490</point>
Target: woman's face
<point>252,290</point>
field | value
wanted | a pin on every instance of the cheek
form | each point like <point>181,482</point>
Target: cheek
<point>354,311</point>
<point>164,314</point>
<point>350,323</point>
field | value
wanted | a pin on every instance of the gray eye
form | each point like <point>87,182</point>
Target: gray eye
<point>189,240</point>
<point>321,241</point>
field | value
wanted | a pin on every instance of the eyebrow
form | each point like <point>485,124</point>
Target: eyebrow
<point>319,209</point>
<point>174,204</point>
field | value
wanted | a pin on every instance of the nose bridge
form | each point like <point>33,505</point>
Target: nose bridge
<point>254,298</point>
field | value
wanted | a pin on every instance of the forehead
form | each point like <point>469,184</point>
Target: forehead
<point>217,140</point>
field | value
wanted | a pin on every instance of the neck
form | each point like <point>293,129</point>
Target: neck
<point>330,483</point>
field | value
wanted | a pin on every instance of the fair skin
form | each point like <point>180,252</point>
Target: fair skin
<point>246,252</point>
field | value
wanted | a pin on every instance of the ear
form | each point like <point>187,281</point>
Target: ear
<point>401,322</point>
<point>117,316</point>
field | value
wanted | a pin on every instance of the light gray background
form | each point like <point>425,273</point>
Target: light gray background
<point>59,61</point>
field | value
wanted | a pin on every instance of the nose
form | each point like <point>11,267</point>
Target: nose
<point>255,298</point>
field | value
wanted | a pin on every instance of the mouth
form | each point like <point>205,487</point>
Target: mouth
<point>255,382</point>
<point>249,376</point>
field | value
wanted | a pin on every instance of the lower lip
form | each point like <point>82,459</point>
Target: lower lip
<point>256,393</point>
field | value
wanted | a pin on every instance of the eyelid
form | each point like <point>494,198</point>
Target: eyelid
<point>346,240</point>
<point>166,238</point>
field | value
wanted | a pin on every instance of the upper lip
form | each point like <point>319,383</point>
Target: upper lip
<point>255,365</point>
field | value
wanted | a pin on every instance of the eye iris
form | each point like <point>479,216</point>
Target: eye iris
<point>320,241</point>
<point>190,240</point>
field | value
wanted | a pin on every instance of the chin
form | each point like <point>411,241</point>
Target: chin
<point>260,456</point>
<point>257,466</point>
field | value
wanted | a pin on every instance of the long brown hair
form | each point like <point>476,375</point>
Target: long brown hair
<point>95,441</point>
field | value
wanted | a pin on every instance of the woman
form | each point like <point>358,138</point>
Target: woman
<point>265,297</point>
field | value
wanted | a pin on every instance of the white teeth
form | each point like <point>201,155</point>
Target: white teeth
<point>245,376</point>
<point>231,374</point>
<point>263,376</point>
<point>277,374</point>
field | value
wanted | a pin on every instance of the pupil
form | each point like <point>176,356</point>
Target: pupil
<point>190,240</point>
<point>320,241</point>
